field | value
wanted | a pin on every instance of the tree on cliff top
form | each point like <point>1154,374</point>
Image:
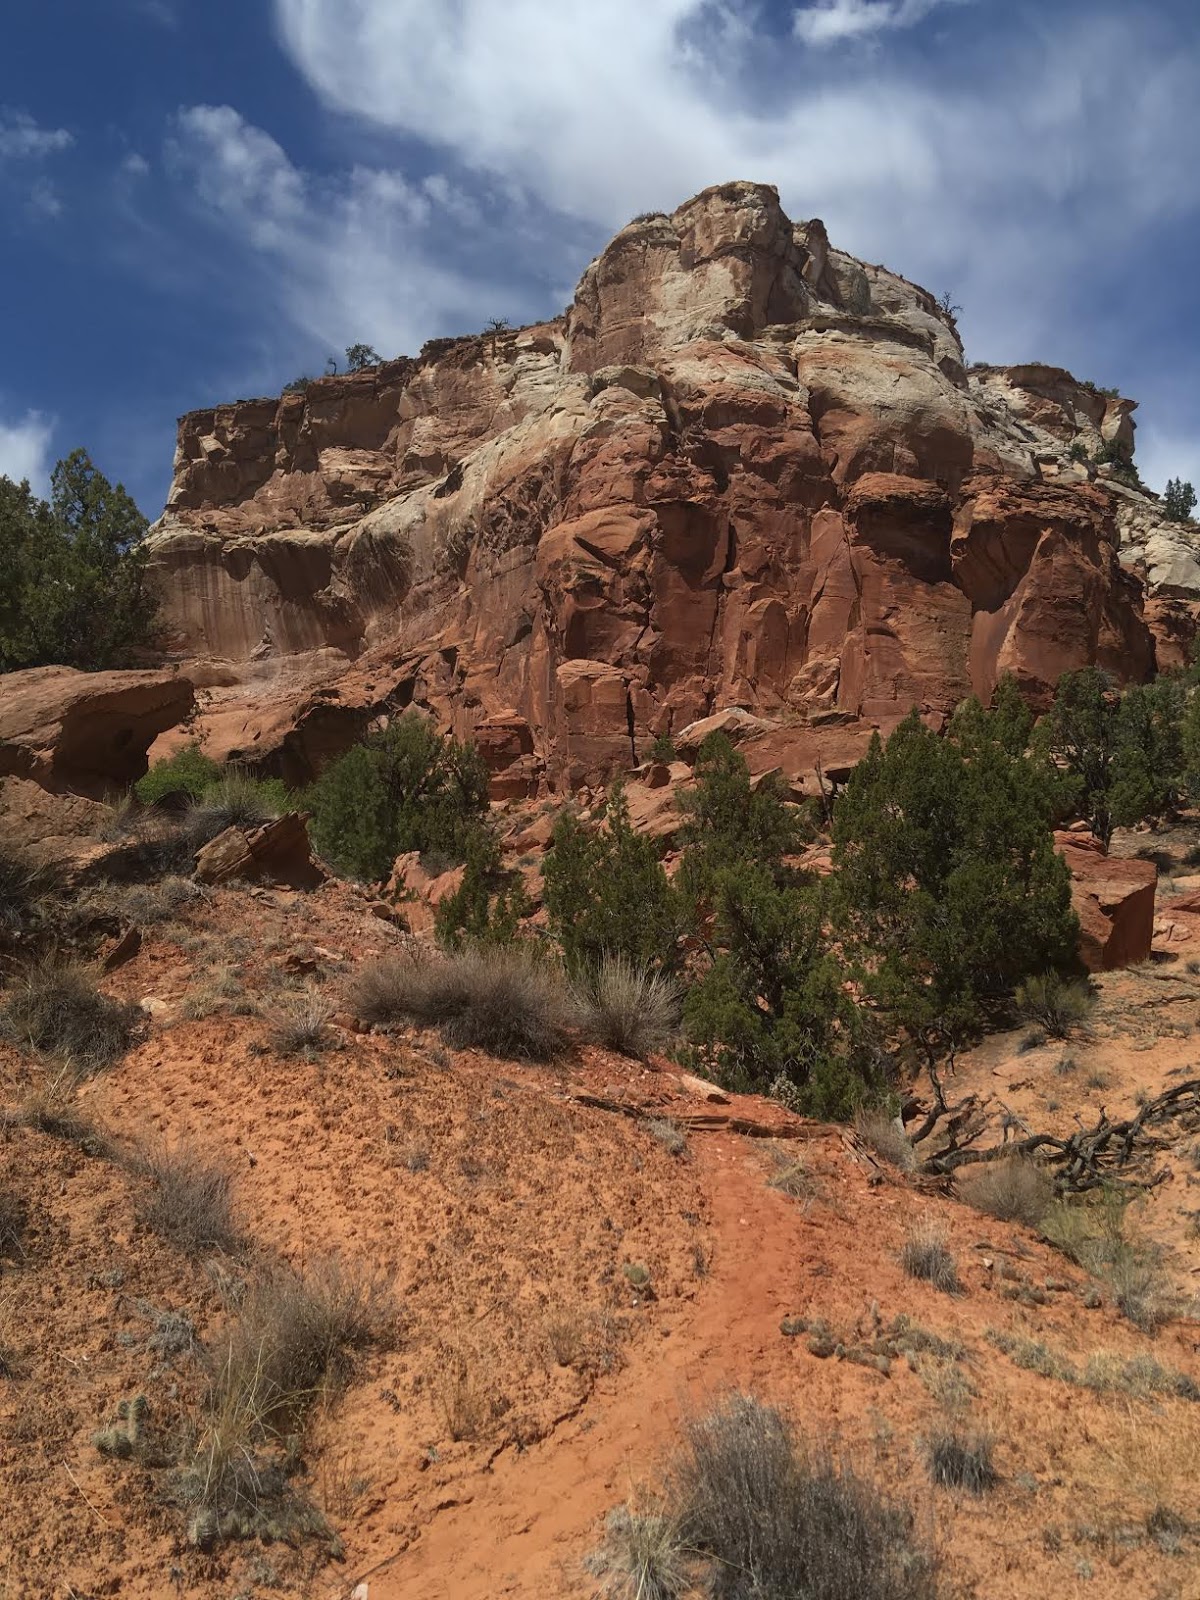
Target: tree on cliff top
<point>72,572</point>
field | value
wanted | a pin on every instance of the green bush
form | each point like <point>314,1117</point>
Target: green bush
<point>606,893</point>
<point>730,823</point>
<point>1179,501</point>
<point>72,572</point>
<point>948,889</point>
<point>773,1003</point>
<point>1055,1003</point>
<point>407,788</point>
<point>489,904</point>
<point>188,772</point>
<point>1122,755</point>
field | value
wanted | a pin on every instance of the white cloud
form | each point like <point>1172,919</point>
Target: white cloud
<point>25,449</point>
<point>21,138</point>
<point>365,254</point>
<point>1003,181</point>
<point>831,22</point>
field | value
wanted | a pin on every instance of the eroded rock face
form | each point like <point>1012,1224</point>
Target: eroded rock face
<point>743,471</point>
<point>86,731</point>
<point>1114,901</point>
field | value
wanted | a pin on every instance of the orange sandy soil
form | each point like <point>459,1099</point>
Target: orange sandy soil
<point>506,1211</point>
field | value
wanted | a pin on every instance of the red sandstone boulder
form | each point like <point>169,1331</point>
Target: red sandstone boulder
<point>278,852</point>
<point>86,731</point>
<point>1114,900</point>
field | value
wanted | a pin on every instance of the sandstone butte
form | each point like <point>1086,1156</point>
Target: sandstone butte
<point>743,472</point>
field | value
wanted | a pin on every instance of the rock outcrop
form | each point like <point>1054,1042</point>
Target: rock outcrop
<point>86,731</point>
<point>743,471</point>
<point>1113,898</point>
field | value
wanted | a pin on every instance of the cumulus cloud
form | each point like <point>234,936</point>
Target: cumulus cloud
<point>25,449</point>
<point>1001,176</point>
<point>361,254</point>
<point>831,22</point>
<point>22,139</point>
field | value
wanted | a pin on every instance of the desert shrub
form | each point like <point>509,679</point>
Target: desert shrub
<point>663,749</point>
<point>188,1203</point>
<point>1011,1191</point>
<point>489,904</point>
<point>292,1341</point>
<point>1055,1003</point>
<point>51,1109</point>
<point>235,800</point>
<point>627,1007</point>
<point>773,1004</point>
<point>25,894</point>
<point>73,584</point>
<point>13,1218</point>
<point>606,893</point>
<point>775,1523</point>
<point>961,1460</point>
<point>643,1556</point>
<point>948,889</point>
<point>886,1136</point>
<point>1121,756</point>
<point>56,1008</point>
<point>300,1025</point>
<point>1093,1232</point>
<point>503,999</point>
<point>187,772</point>
<point>407,788</point>
<point>925,1255</point>
<point>1179,500</point>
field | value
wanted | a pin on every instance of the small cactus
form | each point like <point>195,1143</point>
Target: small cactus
<point>204,1529</point>
<point>121,1442</point>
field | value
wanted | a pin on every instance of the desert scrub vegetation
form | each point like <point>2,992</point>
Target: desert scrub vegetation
<point>300,1025</point>
<point>925,1255</point>
<point>188,1201</point>
<point>631,1009</point>
<point>406,788</point>
<point>1056,1004</point>
<point>886,1136</point>
<point>185,775</point>
<point>959,1459</point>
<point>1093,1232</point>
<point>506,999</point>
<point>291,1344</point>
<point>27,895</point>
<point>747,1512</point>
<point>1015,1190</point>
<point>56,1009</point>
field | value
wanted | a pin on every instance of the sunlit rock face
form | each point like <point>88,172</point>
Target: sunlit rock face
<point>743,469</point>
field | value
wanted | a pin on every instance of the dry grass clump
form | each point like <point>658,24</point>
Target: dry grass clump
<point>235,800</point>
<point>300,1026</point>
<point>1092,1233</point>
<point>668,1134</point>
<point>770,1522</point>
<point>502,999</point>
<point>1011,1191</point>
<point>189,1202</point>
<point>925,1255</point>
<point>13,1220</point>
<point>960,1460</point>
<point>629,1008</point>
<point>886,1137</point>
<point>51,1109</point>
<point>1055,1003</point>
<point>164,901</point>
<point>643,1556</point>
<point>292,1342</point>
<point>56,1009</point>
<point>25,893</point>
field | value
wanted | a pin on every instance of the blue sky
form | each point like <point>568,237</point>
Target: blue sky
<point>199,202</point>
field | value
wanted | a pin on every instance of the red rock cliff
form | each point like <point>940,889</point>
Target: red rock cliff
<point>744,469</point>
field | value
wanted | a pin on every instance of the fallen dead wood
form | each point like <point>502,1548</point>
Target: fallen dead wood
<point>1117,1153</point>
